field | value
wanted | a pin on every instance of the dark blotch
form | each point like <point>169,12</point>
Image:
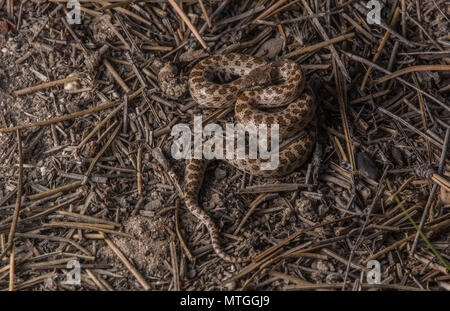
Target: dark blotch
<point>366,166</point>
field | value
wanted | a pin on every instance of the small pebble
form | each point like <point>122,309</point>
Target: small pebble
<point>230,286</point>
<point>153,205</point>
<point>365,193</point>
<point>366,166</point>
<point>397,156</point>
<point>271,48</point>
<point>445,196</point>
<point>72,85</point>
<point>320,265</point>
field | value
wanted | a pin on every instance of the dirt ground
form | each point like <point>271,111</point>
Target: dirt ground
<point>86,172</point>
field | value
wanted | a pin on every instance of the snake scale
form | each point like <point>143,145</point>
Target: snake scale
<point>253,93</point>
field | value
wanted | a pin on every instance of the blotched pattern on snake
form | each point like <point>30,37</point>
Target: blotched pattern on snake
<point>261,86</point>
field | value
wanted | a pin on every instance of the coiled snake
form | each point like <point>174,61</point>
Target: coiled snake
<point>253,91</point>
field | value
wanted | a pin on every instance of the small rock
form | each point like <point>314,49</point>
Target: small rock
<point>156,65</point>
<point>397,156</point>
<point>153,205</point>
<point>73,107</point>
<point>365,193</point>
<point>230,285</point>
<point>270,48</point>
<point>72,85</point>
<point>445,196</point>
<point>366,166</point>
<point>321,266</point>
<point>192,273</point>
<point>101,28</point>
<point>43,170</point>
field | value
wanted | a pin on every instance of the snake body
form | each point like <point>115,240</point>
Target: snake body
<point>253,91</point>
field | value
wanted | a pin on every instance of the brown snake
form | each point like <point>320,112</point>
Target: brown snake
<point>253,90</point>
